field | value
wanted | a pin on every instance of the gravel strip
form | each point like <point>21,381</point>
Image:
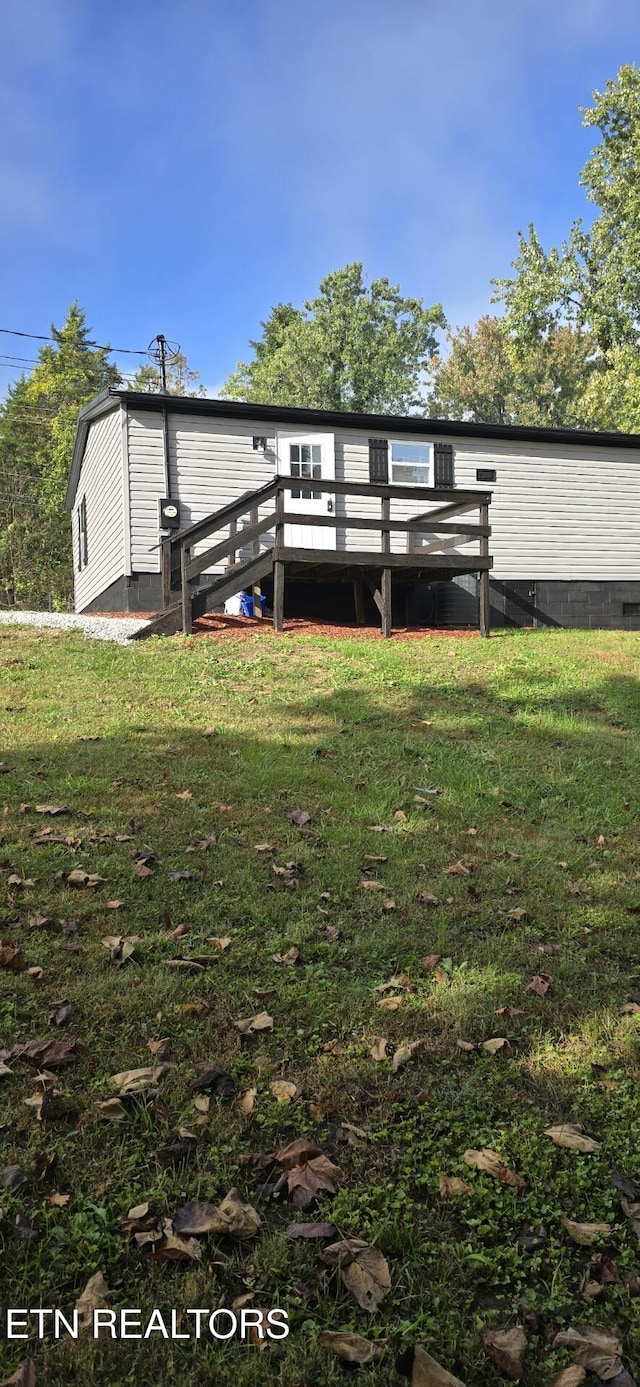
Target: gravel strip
<point>101,628</point>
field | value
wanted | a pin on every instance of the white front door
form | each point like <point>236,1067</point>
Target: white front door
<point>308,458</point>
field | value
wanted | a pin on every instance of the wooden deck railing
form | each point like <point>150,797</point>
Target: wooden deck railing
<point>428,535</point>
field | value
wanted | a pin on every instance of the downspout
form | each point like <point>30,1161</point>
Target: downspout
<point>165,450</point>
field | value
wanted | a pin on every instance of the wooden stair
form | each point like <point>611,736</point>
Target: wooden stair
<point>209,595</point>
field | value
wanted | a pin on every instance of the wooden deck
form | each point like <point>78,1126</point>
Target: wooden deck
<point>190,589</point>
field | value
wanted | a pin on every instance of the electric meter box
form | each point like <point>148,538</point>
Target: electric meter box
<point>169,514</point>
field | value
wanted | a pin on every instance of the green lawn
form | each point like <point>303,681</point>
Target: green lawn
<point>517,758</point>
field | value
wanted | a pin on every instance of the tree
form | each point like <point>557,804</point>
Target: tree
<point>181,379</point>
<point>37,429</point>
<point>491,376</point>
<point>591,282</point>
<point>352,347</point>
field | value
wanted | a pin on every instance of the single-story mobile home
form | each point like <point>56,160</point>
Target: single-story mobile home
<point>168,493</point>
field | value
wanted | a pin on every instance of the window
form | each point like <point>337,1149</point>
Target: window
<point>410,463</point>
<point>83,557</point>
<point>486,474</point>
<point>305,462</point>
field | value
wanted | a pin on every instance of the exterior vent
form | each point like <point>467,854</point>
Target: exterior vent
<point>631,608</point>
<point>379,461</point>
<point>486,474</point>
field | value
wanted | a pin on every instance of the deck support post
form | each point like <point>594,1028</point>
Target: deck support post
<point>278,567</point>
<point>484,601</point>
<point>166,572</point>
<point>358,601</point>
<point>187,613</point>
<point>385,584</point>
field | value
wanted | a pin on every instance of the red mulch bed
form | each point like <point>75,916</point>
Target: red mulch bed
<point>221,627</point>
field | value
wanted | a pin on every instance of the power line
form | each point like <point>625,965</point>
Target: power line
<point>40,337</point>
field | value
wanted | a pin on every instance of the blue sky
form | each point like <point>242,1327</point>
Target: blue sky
<point>182,165</point>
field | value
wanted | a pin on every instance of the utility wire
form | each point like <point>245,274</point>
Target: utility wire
<point>39,337</point>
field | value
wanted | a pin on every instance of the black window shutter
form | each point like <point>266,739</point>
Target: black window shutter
<point>443,465</point>
<point>379,460</point>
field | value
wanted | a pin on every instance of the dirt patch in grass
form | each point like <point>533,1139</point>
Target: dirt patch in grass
<point>238,626</point>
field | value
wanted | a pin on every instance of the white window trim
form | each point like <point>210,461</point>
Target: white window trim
<point>401,462</point>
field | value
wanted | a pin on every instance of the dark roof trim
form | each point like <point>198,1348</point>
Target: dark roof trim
<point>101,404</point>
<point>385,423</point>
<point>330,418</point>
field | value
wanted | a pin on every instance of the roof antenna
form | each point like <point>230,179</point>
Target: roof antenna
<point>163,352</point>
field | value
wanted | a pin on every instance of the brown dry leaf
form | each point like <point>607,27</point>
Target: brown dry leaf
<point>363,1269</point>
<point>79,877</point>
<point>572,1376</point>
<point>390,1003</point>
<point>179,932</point>
<point>14,880</point>
<point>466,1045</point>
<point>131,1081</point>
<point>159,1048</point>
<point>307,1180</point>
<point>352,1348</point>
<point>632,1212</point>
<point>283,1090</point>
<point>113,905</point>
<point>585,1233</point>
<point>400,814</point>
<point>458,869</point>
<point>173,1248</point>
<point>24,1375</point>
<point>540,984</point>
<point>427,1372</point>
<point>506,1348</point>
<point>264,847</point>
<point>300,817</point>
<point>572,1136</point>
<point>310,1230</point>
<point>52,809</point>
<point>11,956</point>
<point>232,1218</point>
<point>112,1110</point>
<point>297,1152</point>
<point>246,1101</point>
<point>219,941</point>
<point>495,1044</point>
<point>492,1164</point>
<point>120,946</point>
<point>369,885</point>
<point>95,1296</point>
<point>509,1012</point>
<point>451,1186</point>
<point>374,857</point>
<point>596,1349</point>
<point>191,1008</point>
<point>388,904</point>
<point>404,1053</point>
<point>289,958</point>
<point>203,1102</point>
<point>378,1049</point>
<point>631,1009</point>
<point>262,1022</point>
<point>517,914</point>
<point>184,794</point>
<point>430,961</point>
<point>59,1201</point>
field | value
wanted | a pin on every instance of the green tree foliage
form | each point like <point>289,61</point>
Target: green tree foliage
<point>37,429</point>
<point>491,376</point>
<point>352,347</point>
<point>181,379</point>
<point>591,282</point>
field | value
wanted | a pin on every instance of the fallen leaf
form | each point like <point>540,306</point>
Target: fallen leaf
<point>13,1178</point>
<point>131,1081</point>
<point>364,1270</point>
<point>585,1233</point>
<point>24,1375</point>
<point>517,914</point>
<point>495,1044</point>
<point>369,885</point>
<point>11,956</point>
<point>52,809</point>
<point>451,1186</point>
<point>428,898</point>
<point>572,1136</point>
<point>572,1376</point>
<point>466,1045</point>
<point>506,1348</point>
<point>426,1372</point>
<point>509,1012</point>
<point>174,1248</point>
<point>211,1079</point>
<point>596,1349</point>
<point>95,1296</point>
<point>283,1090</point>
<point>246,1100</point>
<point>350,1347</point>
<point>261,1022</point>
<point>390,1003</point>
<point>430,961</point>
<point>400,814</point>
<point>264,847</point>
<point>490,1163</point>
<point>79,877</point>
<point>232,1218</point>
<point>112,1110</point>
<point>120,946</point>
<point>540,984</point>
<point>458,869</point>
<point>219,942</point>
<point>300,817</point>
<point>60,1014</point>
<point>289,958</point>
<point>59,1201</point>
<point>378,1049</point>
<point>159,1048</point>
<point>404,1053</point>
<point>310,1230</point>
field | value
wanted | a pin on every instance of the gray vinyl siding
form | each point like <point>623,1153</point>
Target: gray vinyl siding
<point>559,511</point>
<point>101,483</point>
